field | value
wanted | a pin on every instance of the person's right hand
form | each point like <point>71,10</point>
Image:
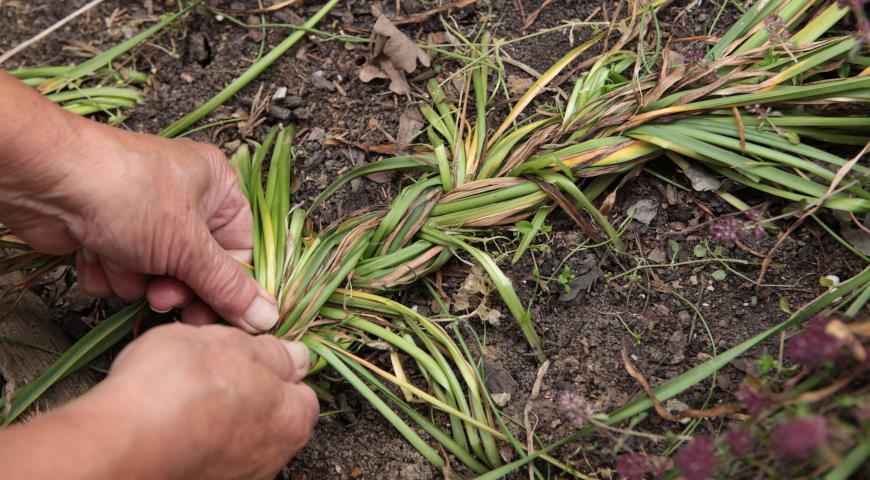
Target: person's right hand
<point>209,402</point>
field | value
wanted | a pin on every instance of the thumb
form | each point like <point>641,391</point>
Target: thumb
<point>221,282</point>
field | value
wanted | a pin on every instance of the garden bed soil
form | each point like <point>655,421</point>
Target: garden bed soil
<point>651,314</point>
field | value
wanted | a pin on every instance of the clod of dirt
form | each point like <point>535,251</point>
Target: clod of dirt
<point>255,34</point>
<point>319,81</point>
<point>644,210</point>
<point>292,101</point>
<point>280,113</point>
<point>393,55</point>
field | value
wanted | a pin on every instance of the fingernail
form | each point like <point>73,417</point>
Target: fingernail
<point>157,310</point>
<point>88,256</point>
<point>261,315</point>
<point>299,353</point>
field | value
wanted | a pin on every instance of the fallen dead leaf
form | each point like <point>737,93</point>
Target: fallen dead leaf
<point>644,210</point>
<point>702,181</point>
<point>518,85</point>
<point>393,55</point>
<point>410,123</point>
<point>473,294</point>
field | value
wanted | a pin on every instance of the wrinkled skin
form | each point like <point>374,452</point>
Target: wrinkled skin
<point>165,220</point>
<point>145,214</point>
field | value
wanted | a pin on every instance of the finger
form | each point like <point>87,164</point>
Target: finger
<point>127,285</point>
<point>166,293</point>
<point>198,313</point>
<point>232,226</point>
<point>221,282</point>
<point>303,409</point>
<point>92,279</point>
<point>51,237</point>
<point>288,360</point>
<point>228,214</point>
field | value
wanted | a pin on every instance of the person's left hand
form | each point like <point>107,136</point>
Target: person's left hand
<point>147,216</point>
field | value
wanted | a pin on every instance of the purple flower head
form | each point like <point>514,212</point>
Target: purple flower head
<point>637,466</point>
<point>855,5</point>
<point>813,346</point>
<point>727,230</point>
<point>693,56</point>
<point>863,32</point>
<point>776,30</point>
<point>758,231</point>
<point>739,441</point>
<point>754,401</point>
<point>574,407</point>
<point>758,228</point>
<point>757,109</point>
<point>799,438</point>
<point>697,460</point>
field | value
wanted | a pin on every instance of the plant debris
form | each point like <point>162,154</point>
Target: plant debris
<point>392,56</point>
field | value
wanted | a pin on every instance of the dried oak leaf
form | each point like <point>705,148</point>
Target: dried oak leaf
<point>393,55</point>
<point>410,125</point>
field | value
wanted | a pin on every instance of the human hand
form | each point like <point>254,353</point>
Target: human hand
<point>217,402</point>
<point>147,216</point>
<point>180,402</point>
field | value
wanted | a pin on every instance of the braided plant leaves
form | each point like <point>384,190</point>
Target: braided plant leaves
<point>742,109</point>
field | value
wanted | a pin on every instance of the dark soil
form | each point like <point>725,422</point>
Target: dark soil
<point>583,336</point>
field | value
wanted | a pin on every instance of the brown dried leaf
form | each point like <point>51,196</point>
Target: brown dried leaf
<point>518,85</point>
<point>370,72</point>
<point>393,55</point>
<point>400,49</point>
<point>410,124</point>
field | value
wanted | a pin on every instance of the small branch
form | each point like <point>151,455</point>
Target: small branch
<point>39,36</point>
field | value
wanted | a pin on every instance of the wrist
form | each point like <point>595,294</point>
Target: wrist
<point>42,151</point>
<point>98,436</point>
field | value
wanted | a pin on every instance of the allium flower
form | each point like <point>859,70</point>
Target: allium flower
<point>727,230</point>
<point>697,460</point>
<point>776,30</point>
<point>754,401</point>
<point>813,346</point>
<point>637,466</point>
<point>574,407</point>
<point>798,438</point>
<point>739,441</point>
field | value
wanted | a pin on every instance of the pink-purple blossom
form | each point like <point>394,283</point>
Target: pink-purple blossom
<point>754,401</point>
<point>697,460</point>
<point>727,230</point>
<point>574,407</point>
<point>638,466</point>
<point>739,440</point>
<point>776,29</point>
<point>799,438</point>
<point>813,346</point>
